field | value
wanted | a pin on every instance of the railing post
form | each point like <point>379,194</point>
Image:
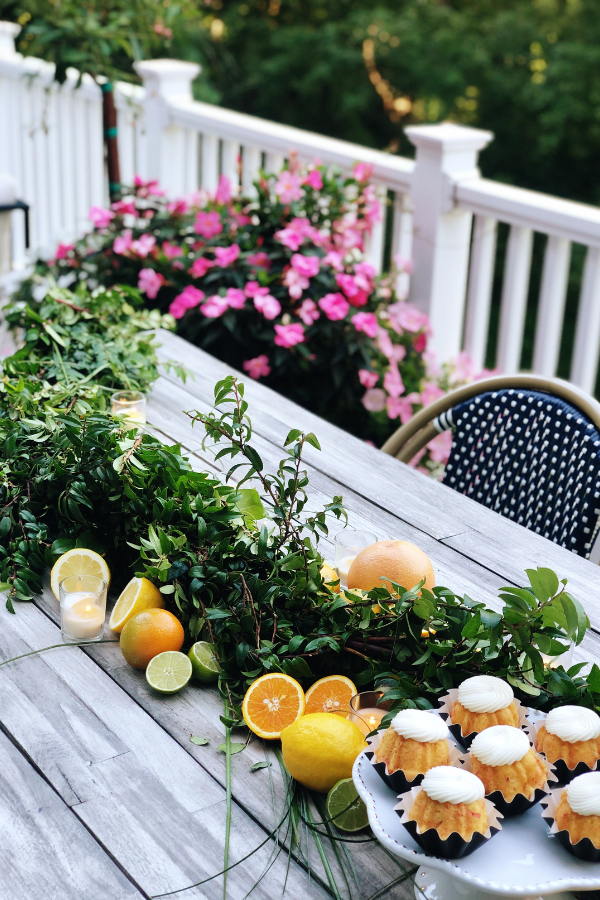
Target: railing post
<point>165,80</point>
<point>446,154</point>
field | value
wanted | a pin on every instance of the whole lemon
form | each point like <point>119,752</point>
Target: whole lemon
<point>149,633</point>
<point>319,749</point>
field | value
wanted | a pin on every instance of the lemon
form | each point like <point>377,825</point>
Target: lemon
<point>78,561</point>
<point>328,575</point>
<point>345,808</point>
<point>319,749</point>
<point>204,662</point>
<point>139,594</point>
<point>168,672</point>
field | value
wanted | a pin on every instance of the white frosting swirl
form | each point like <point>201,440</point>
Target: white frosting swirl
<point>583,794</point>
<point>485,694</point>
<point>419,725</point>
<point>448,784</point>
<point>573,723</point>
<point>500,745</point>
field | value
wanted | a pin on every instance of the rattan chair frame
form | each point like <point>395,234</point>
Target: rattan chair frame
<point>406,442</point>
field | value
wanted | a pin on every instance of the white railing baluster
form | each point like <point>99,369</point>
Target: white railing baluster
<point>66,143</point>
<point>98,187</point>
<point>479,292</point>
<point>251,162</point>
<point>190,161</point>
<point>231,150</point>
<point>553,294</point>
<point>375,241</point>
<point>210,162</point>
<point>587,335</point>
<point>274,163</point>
<point>402,238</point>
<point>514,299</point>
<point>55,188</point>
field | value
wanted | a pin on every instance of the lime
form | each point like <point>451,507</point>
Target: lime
<point>169,672</point>
<point>345,808</point>
<point>204,662</point>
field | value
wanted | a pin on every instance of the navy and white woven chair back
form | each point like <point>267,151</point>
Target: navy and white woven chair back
<point>530,457</point>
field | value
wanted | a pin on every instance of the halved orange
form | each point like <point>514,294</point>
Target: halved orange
<point>272,702</point>
<point>330,694</point>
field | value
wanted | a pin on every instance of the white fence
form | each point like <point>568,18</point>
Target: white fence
<point>437,208</point>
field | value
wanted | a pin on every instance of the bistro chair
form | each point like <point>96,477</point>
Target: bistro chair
<point>525,446</point>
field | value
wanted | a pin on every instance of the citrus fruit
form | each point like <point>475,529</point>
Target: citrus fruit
<point>138,595</point>
<point>328,574</point>
<point>319,749</point>
<point>330,694</point>
<point>345,808</point>
<point>400,561</point>
<point>204,663</point>
<point>78,561</point>
<point>272,702</point>
<point>149,633</point>
<point>169,672</point>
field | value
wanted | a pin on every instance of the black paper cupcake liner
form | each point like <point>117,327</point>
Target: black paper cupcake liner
<point>454,846</point>
<point>559,768</point>
<point>446,704</point>
<point>520,803</point>
<point>583,849</point>
<point>397,780</point>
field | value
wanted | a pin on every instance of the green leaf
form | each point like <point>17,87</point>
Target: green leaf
<point>293,435</point>
<point>4,526</point>
<point>234,748</point>
<point>263,764</point>
<point>200,741</point>
<point>254,458</point>
<point>544,583</point>
<point>312,440</point>
<point>9,605</point>
<point>472,627</point>
<point>250,504</point>
<point>593,679</point>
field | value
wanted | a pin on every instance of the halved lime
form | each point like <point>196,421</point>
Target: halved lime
<point>169,672</point>
<point>345,808</point>
<point>204,662</point>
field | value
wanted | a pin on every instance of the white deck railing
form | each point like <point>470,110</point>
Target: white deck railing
<point>437,208</point>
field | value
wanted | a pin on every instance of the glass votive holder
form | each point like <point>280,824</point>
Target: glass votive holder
<point>366,711</point>
<point>129,405</point>
<point>82,607</point>
<point>348,543</point>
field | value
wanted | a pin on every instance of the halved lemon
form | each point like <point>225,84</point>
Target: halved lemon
<point>272,703</point>
<point>330,694</point>
<point>78,561</point>
<point>328,574</point>
<point>138,595</point>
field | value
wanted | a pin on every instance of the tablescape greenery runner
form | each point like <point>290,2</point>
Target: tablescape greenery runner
<point>238,564</point>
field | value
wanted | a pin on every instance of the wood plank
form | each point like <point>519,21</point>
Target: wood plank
<point>44,850</point>
<point>147,801</point>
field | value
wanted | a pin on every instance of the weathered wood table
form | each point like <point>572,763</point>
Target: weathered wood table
<point>102,794</point>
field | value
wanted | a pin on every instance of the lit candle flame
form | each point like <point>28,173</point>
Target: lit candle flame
<point>372,721</point>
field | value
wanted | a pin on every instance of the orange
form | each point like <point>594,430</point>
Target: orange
<point>400,561</point>
<point>331,694</point>
<point>328,574</point>
<point>272,702</point>
<point>149,633</point>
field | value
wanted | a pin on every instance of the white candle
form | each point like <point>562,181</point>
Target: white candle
<point>81,618</point>
<point>367,719</point>
<point>132,414</point>
<point>343,567</point>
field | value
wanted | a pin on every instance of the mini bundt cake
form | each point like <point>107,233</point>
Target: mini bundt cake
<point>415,742</point>
<point>578,811</point>
<point>570,733</point>
<point>502,758</point>
<point>484,701</point>
<point>451,800</point>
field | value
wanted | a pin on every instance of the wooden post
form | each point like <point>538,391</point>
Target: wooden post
<point>446,154</point>
<point>109,119</point>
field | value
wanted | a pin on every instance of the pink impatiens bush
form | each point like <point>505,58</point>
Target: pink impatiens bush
<point>278,285</point>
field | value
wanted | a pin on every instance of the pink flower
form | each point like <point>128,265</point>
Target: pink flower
<point>269,306</point>
<point>143,246</point>
<point>209,224</point>
<point>395,352</point>
<point>226,255</point>
<point>364,277</point>
<point>334,306</point>
<point>430,392</point>
<point>100,217</point>
<point>314,180</point>
<point>405,265</point>
<point>177,207</point>
<point>334,259</point>
<point>189,297</point>
<point>366,322</point>
<point>253,289</point>
<point>235,298</point>
<point>308,312</point>
<point>464,366</point>
<point>399,406</point>
<point>306,265</point>
<point>200,267</point>
<point>295,232</point>
<point>171,251</point>
<point>147,188</point>
<point>259,260</point>
<point>374,399</point>
<point>439,447</point>
<point>420,342</point>
<point>287,187</point>
<point>122,243</point>
<point>63,250</point>
<point>150,282</point>
<point>295,283</point>
<point>289,335</point>
<point>351,289</point>
<point>214,307</point>
<point>362,171</point>
<point>409,317</point>
<point>258,367</point>
<point>392,381</point>
<point>239,218</point>
<point>368,379</point>
<point>223,192</point>
<point>124,208</point>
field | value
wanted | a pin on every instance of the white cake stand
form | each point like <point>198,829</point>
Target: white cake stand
<point>523,860</point>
